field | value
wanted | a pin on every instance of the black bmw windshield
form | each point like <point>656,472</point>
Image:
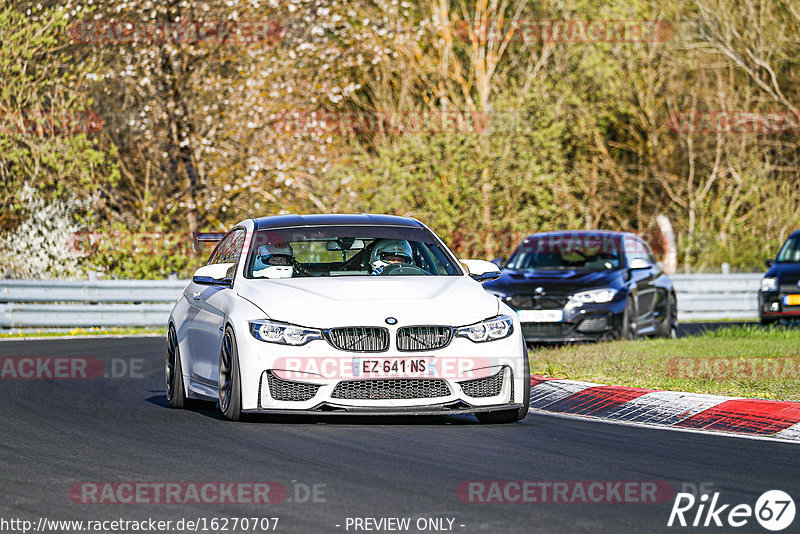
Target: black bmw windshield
<point>312,251</point>
<point>566,252</point>
<point>790,251</point>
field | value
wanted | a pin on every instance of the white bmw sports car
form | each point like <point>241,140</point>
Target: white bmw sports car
<point>351,314</point>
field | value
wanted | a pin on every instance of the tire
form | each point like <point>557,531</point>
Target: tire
<point>627,329</point>
<point>500,417</point>
<point>173,373</point>
<point>767,321</point>
<point>230,384</point>
<point>669,326</point>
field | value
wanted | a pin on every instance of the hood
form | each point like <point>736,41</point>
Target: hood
<point>561,282</point>
<point>786,273</point>
<point>369,300</point>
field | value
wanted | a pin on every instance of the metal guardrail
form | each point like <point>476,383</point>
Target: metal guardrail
<point>86,304</point>
<point>717,296</point>
<point>147,303</point>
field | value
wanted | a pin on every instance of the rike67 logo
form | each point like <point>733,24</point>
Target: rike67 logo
<point>774,510</point>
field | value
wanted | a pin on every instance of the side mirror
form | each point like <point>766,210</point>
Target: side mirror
<point>639,263</point>
<point>481,270</point>
<point>768,263</point>
<point>218,274</point>
<point>499,262</point>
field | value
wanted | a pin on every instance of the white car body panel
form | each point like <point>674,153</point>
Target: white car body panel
<point>203,312</point>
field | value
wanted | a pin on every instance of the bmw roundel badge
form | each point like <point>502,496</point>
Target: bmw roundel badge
<point>391,320</point>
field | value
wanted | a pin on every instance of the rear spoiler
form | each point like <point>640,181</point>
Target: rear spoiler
<point>205,237</point>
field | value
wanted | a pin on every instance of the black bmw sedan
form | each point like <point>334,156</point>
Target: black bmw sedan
<point>779,297</point>
<point>586,286</point>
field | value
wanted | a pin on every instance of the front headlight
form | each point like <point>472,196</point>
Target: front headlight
<point>594,296</point>
<point>285,334</point>
<point>769,283</point>
<point>488,330</point>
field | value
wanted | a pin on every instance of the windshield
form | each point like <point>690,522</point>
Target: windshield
<point>790,251</point>
<point>566,252</point>
<point>347,251</point>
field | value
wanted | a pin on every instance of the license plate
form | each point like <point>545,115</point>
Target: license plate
<point>390,366</point>
<point>791,300</point>
<point>540,316</point>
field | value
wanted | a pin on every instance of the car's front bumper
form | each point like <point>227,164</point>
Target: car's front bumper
<point>771,305</point>
<point>590,322</point>
<point>271,374</point>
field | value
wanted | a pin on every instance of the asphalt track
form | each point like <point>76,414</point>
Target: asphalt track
<point>56,433</point>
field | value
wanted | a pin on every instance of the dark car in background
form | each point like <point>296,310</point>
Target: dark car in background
<point>779,295</point>
<point>586,286</point>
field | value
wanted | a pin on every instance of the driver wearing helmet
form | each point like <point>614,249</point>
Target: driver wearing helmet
<point>274,260</point>
<point>390,251</point>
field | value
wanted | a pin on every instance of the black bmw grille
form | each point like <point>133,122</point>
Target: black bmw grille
<point>544,302</point>
<point>417,338</point>
<point>359,338</point>
<point>288,390</point>
<point>488,386</point>
<point>396,388</point>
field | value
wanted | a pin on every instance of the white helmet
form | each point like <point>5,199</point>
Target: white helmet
<point>388,251</point>
<point>274,261</point>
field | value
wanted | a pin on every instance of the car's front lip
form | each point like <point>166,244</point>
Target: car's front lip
<point>445,408</point>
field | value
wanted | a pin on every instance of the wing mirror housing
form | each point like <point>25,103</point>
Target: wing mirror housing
<point>768,263</point>
<point>639,264</point>
<point>218,274</point>
<point>481,270</point>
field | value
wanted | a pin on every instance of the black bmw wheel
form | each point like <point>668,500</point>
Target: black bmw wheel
<point>668,327</point>
<point>173,373</point>
<point>230,394</point>
<point>629,329</point>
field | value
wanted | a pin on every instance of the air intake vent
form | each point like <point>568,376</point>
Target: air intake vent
<point>420,338</point>
<point>400,388</point>
<point>359,339</point>
<point>288,390</point>
<point>488,386</point>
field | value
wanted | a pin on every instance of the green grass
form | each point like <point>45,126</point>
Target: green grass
<point>84,332</point>
<point>741,361</point>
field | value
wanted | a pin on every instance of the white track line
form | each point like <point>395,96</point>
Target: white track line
<point>551,391</point>
<point>664,407</point>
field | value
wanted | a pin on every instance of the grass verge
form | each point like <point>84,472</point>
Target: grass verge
<point>740,361</point>
<point>83,332</point>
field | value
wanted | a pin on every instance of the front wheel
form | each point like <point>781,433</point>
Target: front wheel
<point>628,328</point>
<point>669,326</point>
<point>173,373</point>
<point>230,385</point>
